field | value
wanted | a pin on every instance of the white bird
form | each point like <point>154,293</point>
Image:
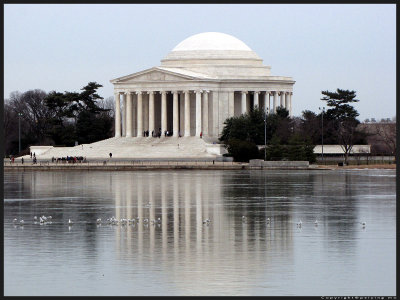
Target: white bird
<point>70,222</point>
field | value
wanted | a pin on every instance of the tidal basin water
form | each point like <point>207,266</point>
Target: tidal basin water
<point>183,256</point>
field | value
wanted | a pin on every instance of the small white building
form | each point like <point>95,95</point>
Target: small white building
<point>205,79</point>
<point>338,150</point>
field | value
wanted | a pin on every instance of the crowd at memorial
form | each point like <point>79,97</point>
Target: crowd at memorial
<point>69,159</point>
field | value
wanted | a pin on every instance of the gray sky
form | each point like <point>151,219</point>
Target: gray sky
<point>323,47</point>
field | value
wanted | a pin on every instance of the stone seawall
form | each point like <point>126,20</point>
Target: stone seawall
<point>279,164</point>
<point>160,165</point>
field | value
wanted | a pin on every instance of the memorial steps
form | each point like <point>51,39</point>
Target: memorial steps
<point>135,148</point>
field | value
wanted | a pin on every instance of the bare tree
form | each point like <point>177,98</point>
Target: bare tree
<point>35,113</point>
<point>108,103</point>
<point>10,126</point>
<point>387,134</point>
<point>381,136</point>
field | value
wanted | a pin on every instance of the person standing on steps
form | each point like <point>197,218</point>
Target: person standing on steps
<point>110,154</point>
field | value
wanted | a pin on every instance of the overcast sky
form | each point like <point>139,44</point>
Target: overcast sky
<point>323,47</point>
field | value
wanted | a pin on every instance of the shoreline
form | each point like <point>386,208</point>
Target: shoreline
<point>121,166</point>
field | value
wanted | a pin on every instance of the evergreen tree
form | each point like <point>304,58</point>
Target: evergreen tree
<point>343,116</point>
<point>78,116</point>
<point>242,150</point>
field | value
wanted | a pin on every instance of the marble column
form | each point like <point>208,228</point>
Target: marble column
<point>290,103</point>
<point>163,112</point>
<point>276,98</point>
<point>117,116</point>
<point>187,113</point>
<point>198,112</point>
<point>256,102</point>
<point>129,114</point>
<point>124,114</point>
<point>283,99</point>
<point>175,115</point>
<point>286,103</point>
<point>266,102</point>
<point>151,112</point>
<point>244,102</point>
<point>139,114</point>
<point>205,112</point>
<point>231,104</point>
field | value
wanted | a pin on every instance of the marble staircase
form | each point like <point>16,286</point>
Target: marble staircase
<point>135,148</point>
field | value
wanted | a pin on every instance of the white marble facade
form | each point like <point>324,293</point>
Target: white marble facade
<point>205,79</point>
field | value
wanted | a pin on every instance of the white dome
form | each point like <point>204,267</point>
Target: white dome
<point>211,41</point>
<point>216,54</point>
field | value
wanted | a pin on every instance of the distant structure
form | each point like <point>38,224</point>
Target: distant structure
<point>205,79</point>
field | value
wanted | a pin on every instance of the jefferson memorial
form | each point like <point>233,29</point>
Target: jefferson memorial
<point>204,80</point>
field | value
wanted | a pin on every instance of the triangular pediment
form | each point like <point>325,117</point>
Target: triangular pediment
<point>153,74</point>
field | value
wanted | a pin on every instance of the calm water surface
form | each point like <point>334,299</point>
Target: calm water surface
<point>183,256</point>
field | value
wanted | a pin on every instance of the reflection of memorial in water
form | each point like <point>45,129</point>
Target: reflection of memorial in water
<point>182,244</point>
<point>260,195</point>
<point>338,193</point>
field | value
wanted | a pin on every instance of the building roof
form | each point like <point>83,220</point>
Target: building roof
<point>210,47</point>
<point>211,41</point>
<point>210,56</point>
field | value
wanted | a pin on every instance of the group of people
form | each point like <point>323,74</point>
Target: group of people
<point>158,134</point>
<point>33,157</point>
<point>69,159</point>
<point>166,133</point>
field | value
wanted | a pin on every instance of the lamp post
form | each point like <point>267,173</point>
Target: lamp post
<point>265,134</point>
<point>19,132</point>
<point>322,133</point>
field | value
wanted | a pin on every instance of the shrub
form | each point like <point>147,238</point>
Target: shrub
<point>242,151</point>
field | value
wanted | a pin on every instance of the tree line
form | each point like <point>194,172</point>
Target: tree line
<point>294,138</point>
<point>56,118</point>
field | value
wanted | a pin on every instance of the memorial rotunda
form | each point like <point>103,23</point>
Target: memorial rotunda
<point>204,80</point>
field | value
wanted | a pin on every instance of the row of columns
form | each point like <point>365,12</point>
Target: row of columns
<point>127,113</point>
<point>201,123</point>
<point>285,101</point>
